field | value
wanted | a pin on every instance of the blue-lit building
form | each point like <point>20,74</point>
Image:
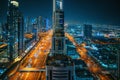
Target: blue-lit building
<point>28,25</point>
<point>47,24</point>
<point>35,31</point>
<point>43,24</point>
<point>15,30</point>
<point>58,64</point>
<point>40,23</point>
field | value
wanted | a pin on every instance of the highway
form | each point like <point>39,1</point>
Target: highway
<point>35,60</point>
<point>93,67</point>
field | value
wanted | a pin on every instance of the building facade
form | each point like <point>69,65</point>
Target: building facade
<point>58,65</point>
<point>43,24</point>
<point>58,27</point>
<point>15,30</point>
<point>87,31</point>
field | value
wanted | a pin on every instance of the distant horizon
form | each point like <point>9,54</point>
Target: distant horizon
<point>76,23</point>
<point>76,11</point>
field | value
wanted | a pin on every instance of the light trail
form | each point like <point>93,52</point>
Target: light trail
<point>92,66</point>
<point>36,62</point>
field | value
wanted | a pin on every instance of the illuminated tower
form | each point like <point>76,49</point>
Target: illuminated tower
<point>58,28</point>
<point>58,65</point>
<point>14,29</point>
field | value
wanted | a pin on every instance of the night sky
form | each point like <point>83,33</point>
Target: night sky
<point>76,11</point>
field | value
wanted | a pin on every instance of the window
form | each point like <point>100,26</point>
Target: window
<point>61,21</point>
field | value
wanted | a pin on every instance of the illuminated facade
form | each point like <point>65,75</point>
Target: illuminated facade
<point>58,65</point>
<point>58,27</point>
<point>14,29</point>
<point>43,24</point>
<point>39,22</point>
<point>21,43</point>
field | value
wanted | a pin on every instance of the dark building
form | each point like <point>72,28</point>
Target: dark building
<point>35,31</point>
<point>0,28</point>
<point>28,25</point>
<point>58,65</point>
<point>118,72</point>
<point>20,34</point>
<point>4,31</point>
<point>14,29</point>
<point>87,30</point>
<point>46,22</point>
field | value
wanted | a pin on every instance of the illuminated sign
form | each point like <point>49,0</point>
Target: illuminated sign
<point>15,3</point>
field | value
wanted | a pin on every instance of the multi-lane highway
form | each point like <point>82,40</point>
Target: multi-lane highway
<point>29,67</point>
<point>93,67</point>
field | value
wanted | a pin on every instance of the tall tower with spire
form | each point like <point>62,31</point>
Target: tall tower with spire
<point>58,65</point>
<point>58,46</point>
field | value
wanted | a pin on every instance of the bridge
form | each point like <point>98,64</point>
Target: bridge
<point>32,70</point>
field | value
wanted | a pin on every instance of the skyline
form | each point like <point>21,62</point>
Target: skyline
<point>76,11</point>
<point>81,44</point>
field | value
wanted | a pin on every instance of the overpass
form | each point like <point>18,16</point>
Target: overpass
<point>32,70</point>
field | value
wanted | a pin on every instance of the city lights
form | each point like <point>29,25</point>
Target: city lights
<point>59,40</point>
<point>15,3</point>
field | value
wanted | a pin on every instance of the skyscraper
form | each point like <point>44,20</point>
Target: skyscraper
<point>40,23</point>
<point>43,24</point>
<point>118,66</point>
<point>28,25</point>
<point>0,29</point>
<point>35,31</point>
<point>20,34</point>
<point>87,30</point>
<point>58,28</point>
<point>58,65</point>
<point>14,29</point>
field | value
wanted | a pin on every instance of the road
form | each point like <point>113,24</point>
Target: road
<point>37,57</point>
<point>35,60</point>
<point>93,67</point>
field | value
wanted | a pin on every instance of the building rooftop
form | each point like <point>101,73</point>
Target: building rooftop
<point>59,60</point>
